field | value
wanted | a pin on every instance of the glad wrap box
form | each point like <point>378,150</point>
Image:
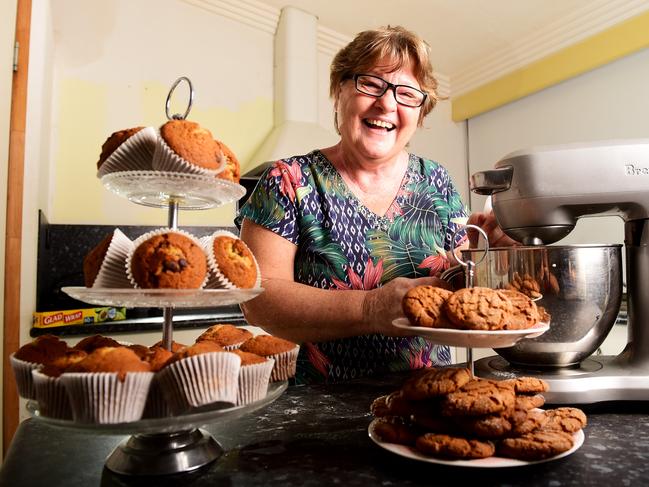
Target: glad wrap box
<point>84,316</point>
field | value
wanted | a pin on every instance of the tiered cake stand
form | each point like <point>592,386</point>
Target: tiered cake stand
<point>174,444</point>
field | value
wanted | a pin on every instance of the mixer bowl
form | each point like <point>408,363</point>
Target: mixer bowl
<point>580,286</point>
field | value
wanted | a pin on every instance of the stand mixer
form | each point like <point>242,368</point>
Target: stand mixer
<point>537,197</point>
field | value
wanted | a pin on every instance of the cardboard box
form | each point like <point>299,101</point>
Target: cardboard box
<point>85,316</point>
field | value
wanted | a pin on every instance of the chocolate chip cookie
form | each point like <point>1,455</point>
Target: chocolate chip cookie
<point>392,429</point>
<point>480,397</point>
<point>537,445</point>
<point>423,305</point>
<point>447,446</point>
<point>436,382</point>
<point>524,314</point>
<point>565,419</point>
<point>478,308</point>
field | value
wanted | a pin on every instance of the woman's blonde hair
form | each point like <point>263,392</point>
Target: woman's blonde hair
<point>399,46</point>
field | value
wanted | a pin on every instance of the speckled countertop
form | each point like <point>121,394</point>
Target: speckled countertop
<point>317,435</point>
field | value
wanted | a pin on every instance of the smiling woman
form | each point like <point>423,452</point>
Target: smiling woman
<point>341,233</point>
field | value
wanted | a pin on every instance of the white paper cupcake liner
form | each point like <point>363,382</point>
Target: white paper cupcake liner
<point>23,375</point>
<point>135,154</point>
<point>216,279</point>
<point>156,402</point>
<point>165,159</point>
<point>52,396</point>
<point>112,272</point>
<point>253,381</point>
<point>285,365</point>
<point>102,398</point>
<point>200,380</point>
<point>143,238</point>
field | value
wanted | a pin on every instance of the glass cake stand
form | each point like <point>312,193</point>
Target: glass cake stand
<point>161,298</point>
<point>169,445</point>
<point>160,188</point>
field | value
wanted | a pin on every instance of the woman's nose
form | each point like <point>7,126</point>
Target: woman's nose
<point>388,100</point>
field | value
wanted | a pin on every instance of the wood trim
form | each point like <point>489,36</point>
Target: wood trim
<point>15,174</point>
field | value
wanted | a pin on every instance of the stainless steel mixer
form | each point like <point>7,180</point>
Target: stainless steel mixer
<point>537,197</point>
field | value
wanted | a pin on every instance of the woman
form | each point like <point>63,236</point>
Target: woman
<point>343,232</point>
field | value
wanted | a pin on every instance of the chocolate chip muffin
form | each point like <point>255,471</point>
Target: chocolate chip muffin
<point>232,170</point>
<point>231,263</point>
<point>192,143</point>
<point>114,141</point>
<point>168,260</point>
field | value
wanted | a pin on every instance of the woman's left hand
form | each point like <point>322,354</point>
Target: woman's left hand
<point>487,221</point>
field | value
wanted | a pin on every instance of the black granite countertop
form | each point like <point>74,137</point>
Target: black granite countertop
<point>317,435</point>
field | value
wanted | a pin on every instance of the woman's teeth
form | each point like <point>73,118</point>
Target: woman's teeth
<point>379,123</point>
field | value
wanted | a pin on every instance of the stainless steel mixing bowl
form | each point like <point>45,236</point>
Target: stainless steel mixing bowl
<point>580,286</point>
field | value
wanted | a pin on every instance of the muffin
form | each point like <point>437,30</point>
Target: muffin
<point>231,263</point>
<point>232,170</point>
<point>42,350</point>
<point>226,335</point>
<point>167,259</point>
<point>186,147</point>
<point>156,403</point>
<point>103,266</point>
<point>175,346</point>
<point>110,385</point>
<point>114,141</point>
<point>50,392</point>
<point>284,352</point>
<point>91,343</point>
<point>201,374</point>
<point>127,150</point>
<point>254,377</point>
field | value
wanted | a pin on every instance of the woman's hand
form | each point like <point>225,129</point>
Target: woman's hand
<point>382,305</point>
<point>487,221</point>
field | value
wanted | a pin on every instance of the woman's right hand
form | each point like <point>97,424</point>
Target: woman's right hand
<point>382,305</point>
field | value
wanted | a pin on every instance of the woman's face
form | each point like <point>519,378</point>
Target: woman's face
<point>376,129</point>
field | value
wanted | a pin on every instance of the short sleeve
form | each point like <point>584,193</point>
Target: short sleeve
<point>273,203</point>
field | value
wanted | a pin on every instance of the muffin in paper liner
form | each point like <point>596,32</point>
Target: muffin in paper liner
<point>201,379</point>
<point>156,403</point>
<point>135,154</point>
<point>253,381</point>
<point>226,335</point>
<point>23,374</point>
<point>112,273</point>
<point>285,365</point>
<point>165,159</point>
<point>52,396</point>
<point>216,278</point>
<point>100,397</point>
<point>160,231</point>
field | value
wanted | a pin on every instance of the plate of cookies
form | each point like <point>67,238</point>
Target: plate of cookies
<point>474,317</point>
<point>448,416</point>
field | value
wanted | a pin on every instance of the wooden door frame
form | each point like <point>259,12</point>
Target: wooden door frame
<point>13,232</point>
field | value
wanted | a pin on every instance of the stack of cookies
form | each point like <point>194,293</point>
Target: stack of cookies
<point>476,308</point>
<point>448,413</point>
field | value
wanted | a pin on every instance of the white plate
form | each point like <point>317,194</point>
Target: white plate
<point>161,298</point>
<point>489,462</point>
<point>473,338</point>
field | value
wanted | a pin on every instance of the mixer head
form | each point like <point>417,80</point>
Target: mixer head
<point>538,195</point>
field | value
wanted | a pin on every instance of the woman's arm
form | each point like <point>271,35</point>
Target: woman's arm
<point>300,313</point>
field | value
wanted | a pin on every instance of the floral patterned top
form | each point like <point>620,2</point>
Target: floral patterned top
<point>341,245</point>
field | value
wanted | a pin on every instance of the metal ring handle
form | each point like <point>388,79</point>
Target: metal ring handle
<point>178,116</point>
<point>486,250</point>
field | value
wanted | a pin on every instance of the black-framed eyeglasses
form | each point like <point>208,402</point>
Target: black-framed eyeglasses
<point>371,85</point>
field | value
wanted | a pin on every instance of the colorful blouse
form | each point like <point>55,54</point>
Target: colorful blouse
<point>342,245</point>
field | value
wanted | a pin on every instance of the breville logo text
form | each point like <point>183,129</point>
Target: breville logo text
<point>631,170</point>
